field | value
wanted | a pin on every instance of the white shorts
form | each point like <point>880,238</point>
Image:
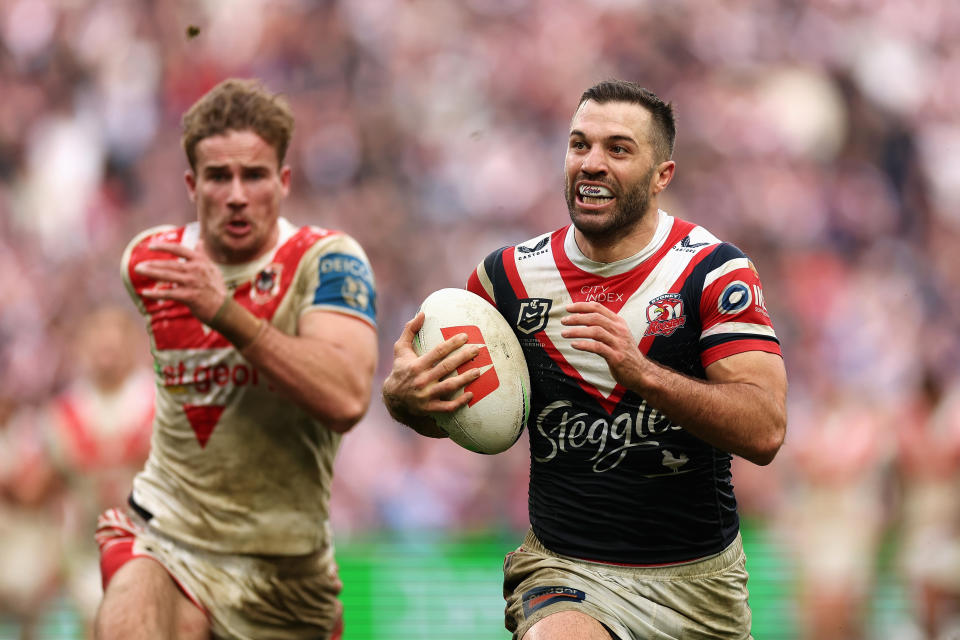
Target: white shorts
<point>245,597</point>
<point>701,600</point>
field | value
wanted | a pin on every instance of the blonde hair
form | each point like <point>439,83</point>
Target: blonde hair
<point>238,105</point>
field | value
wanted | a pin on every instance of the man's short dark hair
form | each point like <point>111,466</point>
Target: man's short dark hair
<point>665,126</point>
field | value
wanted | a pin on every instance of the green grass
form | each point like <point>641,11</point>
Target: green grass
<point>448,587</point>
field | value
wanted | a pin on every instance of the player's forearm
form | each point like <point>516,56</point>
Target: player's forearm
<point>738,417</point>
<point>321,377</point>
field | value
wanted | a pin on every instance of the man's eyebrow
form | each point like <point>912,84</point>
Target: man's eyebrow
<point>612,138</point>
<point>226,167</point>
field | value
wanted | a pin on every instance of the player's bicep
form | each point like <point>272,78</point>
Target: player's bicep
<point>353,335</point>
<point>759,368</point>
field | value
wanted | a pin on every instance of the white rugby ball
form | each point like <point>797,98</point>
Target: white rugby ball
<point>495,417</point>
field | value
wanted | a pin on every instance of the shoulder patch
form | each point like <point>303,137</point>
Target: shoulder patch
<point>734,298</point>
<point>346,282</point>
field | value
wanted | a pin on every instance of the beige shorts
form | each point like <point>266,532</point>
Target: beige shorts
<point>245,597</point>
<point>833,534</point>
<point>29,548</point>
<point>705,599</point>
<point>930,534</point>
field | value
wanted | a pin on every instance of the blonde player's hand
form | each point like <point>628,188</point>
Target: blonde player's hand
<point>191,278</point>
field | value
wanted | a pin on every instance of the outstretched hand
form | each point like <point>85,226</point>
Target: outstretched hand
<point>192,279</point>
<point>421,385</point>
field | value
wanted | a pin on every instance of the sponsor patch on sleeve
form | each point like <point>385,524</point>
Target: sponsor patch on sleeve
<point>735,298</point>
<point>346,283</point>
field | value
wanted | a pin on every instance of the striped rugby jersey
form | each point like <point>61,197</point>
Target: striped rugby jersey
<point>235,466</point>
<point>612,479</point>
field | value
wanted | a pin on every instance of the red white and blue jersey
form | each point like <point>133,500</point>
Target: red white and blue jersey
<point>234,465</point>
<point>613,479</point>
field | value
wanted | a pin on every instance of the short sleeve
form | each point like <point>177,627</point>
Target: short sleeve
<point>339,278</point>
<point>732,310</point>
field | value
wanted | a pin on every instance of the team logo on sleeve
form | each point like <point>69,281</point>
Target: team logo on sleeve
<point>735,298</point>
<point>266,284</point>
<point>533,314</point>
<point>665,315</point>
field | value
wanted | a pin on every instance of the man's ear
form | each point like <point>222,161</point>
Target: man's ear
<point>191,179</point>
<point>663,175</point>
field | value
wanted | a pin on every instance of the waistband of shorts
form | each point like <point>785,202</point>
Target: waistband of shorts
<point>223,558</point>
<point>701,566</point>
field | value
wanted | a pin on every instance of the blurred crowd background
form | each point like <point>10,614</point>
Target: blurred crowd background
<point>820,136</point>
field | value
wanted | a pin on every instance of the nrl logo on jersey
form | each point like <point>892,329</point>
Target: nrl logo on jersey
<point>266,284</point>
<point>533,314</point>
<point>665,315</point>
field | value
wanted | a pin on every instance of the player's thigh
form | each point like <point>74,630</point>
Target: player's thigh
<point>143,601</point>
<point>567,625</point>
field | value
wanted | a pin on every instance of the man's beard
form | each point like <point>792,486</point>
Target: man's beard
<point>629,210</point>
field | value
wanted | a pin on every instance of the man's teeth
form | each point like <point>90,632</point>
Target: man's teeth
<point>595,191</point>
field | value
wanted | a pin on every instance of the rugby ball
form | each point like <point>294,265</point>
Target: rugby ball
<point>494,419</point>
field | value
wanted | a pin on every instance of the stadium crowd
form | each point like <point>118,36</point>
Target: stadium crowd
<point>821,136</point>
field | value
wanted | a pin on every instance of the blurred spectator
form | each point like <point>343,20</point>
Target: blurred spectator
<point>928,439</point>
<point>28,531</point>
<point>99,431</point>
<point>836,513</point>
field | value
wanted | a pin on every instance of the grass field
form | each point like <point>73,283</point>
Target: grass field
<point>448,588</point>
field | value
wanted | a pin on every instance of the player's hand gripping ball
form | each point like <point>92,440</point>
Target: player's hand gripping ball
<point>494,419</point>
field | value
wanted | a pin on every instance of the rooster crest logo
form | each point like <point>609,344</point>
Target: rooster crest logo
<point>665,315</point>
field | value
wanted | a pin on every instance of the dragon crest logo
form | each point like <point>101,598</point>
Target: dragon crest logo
<point>266,284</point>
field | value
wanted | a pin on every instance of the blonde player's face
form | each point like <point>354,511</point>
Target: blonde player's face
<point>237,189</point>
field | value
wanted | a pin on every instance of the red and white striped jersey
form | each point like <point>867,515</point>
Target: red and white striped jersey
<point>235,466</point>
<point>612,478</point>
<point>99,439</point>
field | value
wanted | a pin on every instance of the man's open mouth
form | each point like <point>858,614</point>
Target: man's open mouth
<point>594,194</point>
